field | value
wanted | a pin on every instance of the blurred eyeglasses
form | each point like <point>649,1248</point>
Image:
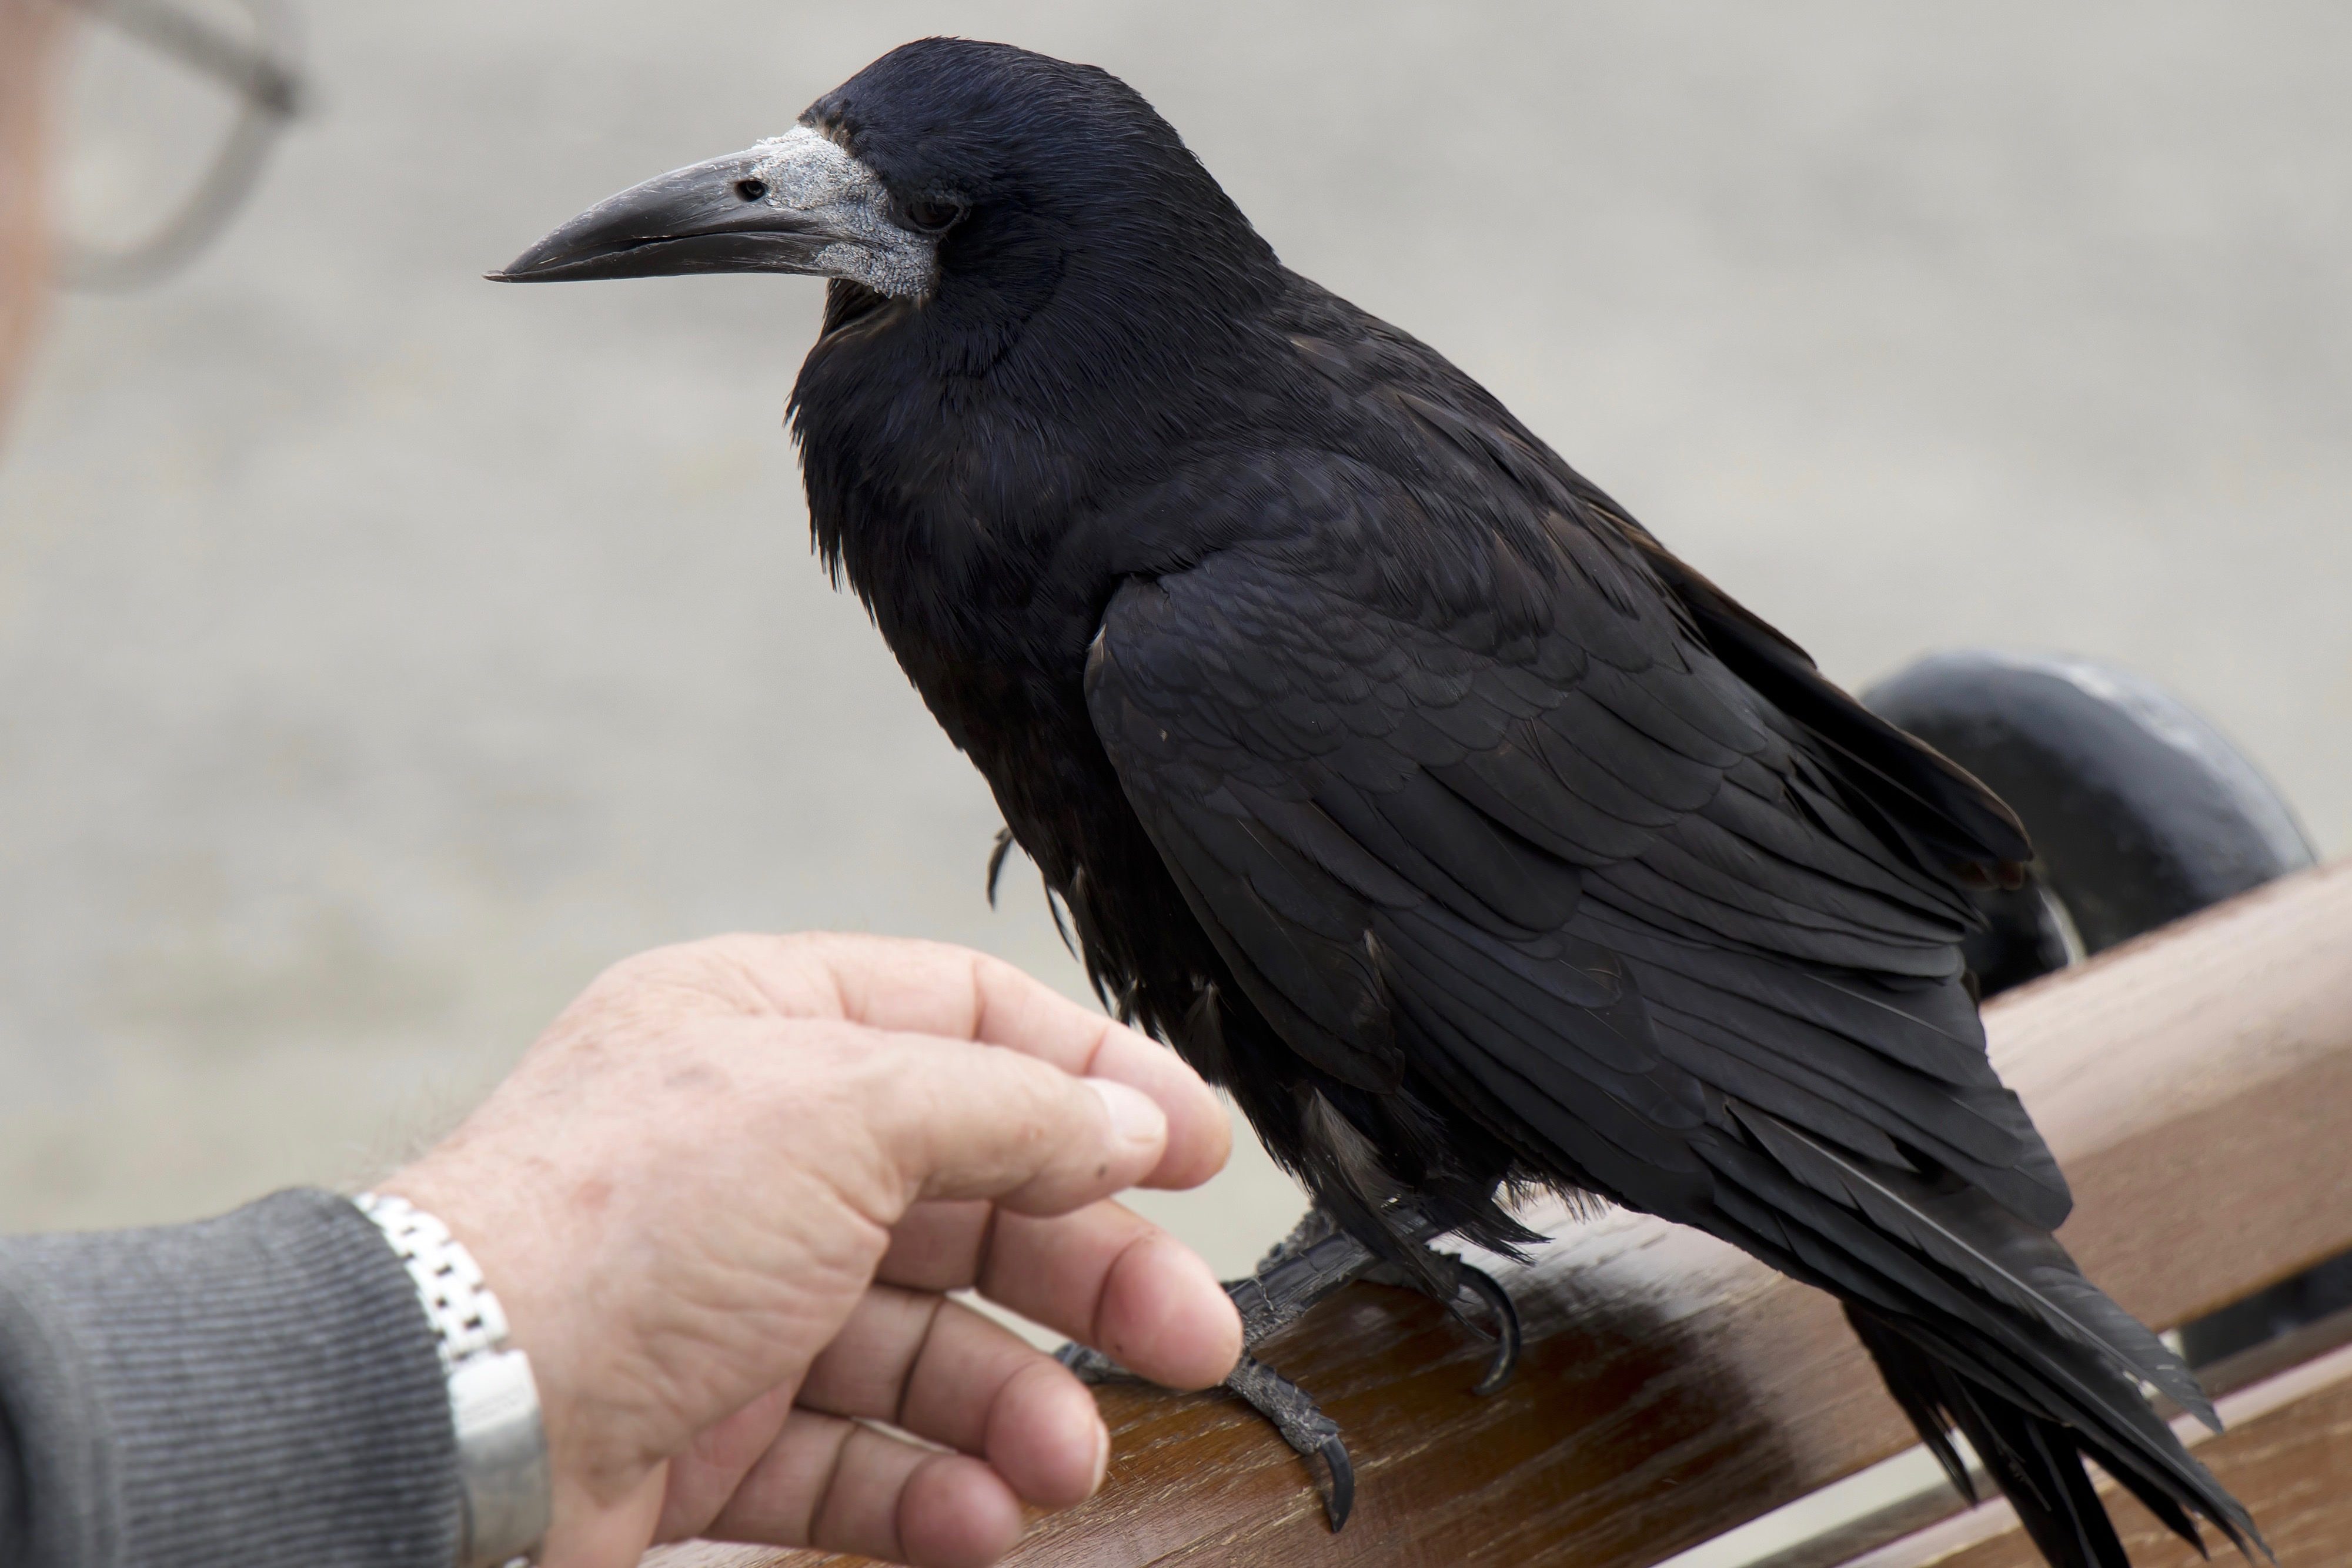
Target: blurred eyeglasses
<point>171,112</point>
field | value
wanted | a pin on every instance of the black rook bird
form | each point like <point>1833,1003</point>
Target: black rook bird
<point>1396,776</point>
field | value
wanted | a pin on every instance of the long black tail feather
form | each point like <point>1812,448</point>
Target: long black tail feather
<point>2038,1462</point>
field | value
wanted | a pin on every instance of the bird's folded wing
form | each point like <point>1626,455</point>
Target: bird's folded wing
<point>1562,859</point>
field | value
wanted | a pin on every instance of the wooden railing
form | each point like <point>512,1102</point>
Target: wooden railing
<point>2196,1084</point>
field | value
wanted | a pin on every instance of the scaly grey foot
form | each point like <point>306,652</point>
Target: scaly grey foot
<point>1303,1426</point>
<point>1316,1259</point>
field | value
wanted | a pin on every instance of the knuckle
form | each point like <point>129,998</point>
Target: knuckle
<point>635,970</point>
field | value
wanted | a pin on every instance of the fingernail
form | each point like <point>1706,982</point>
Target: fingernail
<point>1102,1456</point>
<point>1135,1116</point>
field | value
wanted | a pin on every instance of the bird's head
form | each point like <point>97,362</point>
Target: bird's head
<point>973,176</point>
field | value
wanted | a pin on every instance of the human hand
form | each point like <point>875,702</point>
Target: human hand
<point>720,1201</point>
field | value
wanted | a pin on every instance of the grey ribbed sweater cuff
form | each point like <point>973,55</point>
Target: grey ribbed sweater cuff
<point>255,1390</point>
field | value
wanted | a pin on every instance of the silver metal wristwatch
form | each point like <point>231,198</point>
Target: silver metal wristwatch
<point>493,1401</point>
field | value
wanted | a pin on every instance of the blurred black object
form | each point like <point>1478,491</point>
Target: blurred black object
<point>2140,812</point>
<point>2320,1291</point>
<point>258,65</point>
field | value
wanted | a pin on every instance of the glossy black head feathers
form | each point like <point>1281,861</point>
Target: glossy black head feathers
<point>1064,192</point>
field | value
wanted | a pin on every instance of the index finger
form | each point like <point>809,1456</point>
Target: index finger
<point>955,1120</point>
<point>932,987</point>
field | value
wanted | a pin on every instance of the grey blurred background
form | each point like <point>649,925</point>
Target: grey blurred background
<point>385,652</point>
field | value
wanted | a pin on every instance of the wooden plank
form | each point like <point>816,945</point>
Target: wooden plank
<point>2285,1455</point>
<point>2195,1084</point>
<point>1899,1497</point>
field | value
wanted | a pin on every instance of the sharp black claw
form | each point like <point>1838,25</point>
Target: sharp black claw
<point>1342,1500</point>
<point>1505,1359</point>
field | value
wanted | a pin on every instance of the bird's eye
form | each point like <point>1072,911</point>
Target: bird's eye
<point>932,217</point>
<point>751,190</point>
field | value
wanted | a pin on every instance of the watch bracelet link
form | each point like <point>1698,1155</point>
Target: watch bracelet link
<point>502,1464</point>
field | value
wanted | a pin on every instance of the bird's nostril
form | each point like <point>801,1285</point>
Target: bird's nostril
<point>751,190</point>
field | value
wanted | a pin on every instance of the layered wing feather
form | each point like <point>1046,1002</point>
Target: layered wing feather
<point>1591,873</point>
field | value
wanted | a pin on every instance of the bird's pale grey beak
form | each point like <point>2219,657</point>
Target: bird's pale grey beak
<point>797,202</point>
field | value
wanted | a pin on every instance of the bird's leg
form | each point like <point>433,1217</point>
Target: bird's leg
<point>1316,1259</point>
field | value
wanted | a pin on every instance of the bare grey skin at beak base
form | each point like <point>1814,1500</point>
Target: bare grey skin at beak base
<point>797,202</point>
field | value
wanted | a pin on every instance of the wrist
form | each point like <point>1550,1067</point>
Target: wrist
<point>494,1408</point>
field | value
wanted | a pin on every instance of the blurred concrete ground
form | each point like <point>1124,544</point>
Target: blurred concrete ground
<point>385,652</point>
